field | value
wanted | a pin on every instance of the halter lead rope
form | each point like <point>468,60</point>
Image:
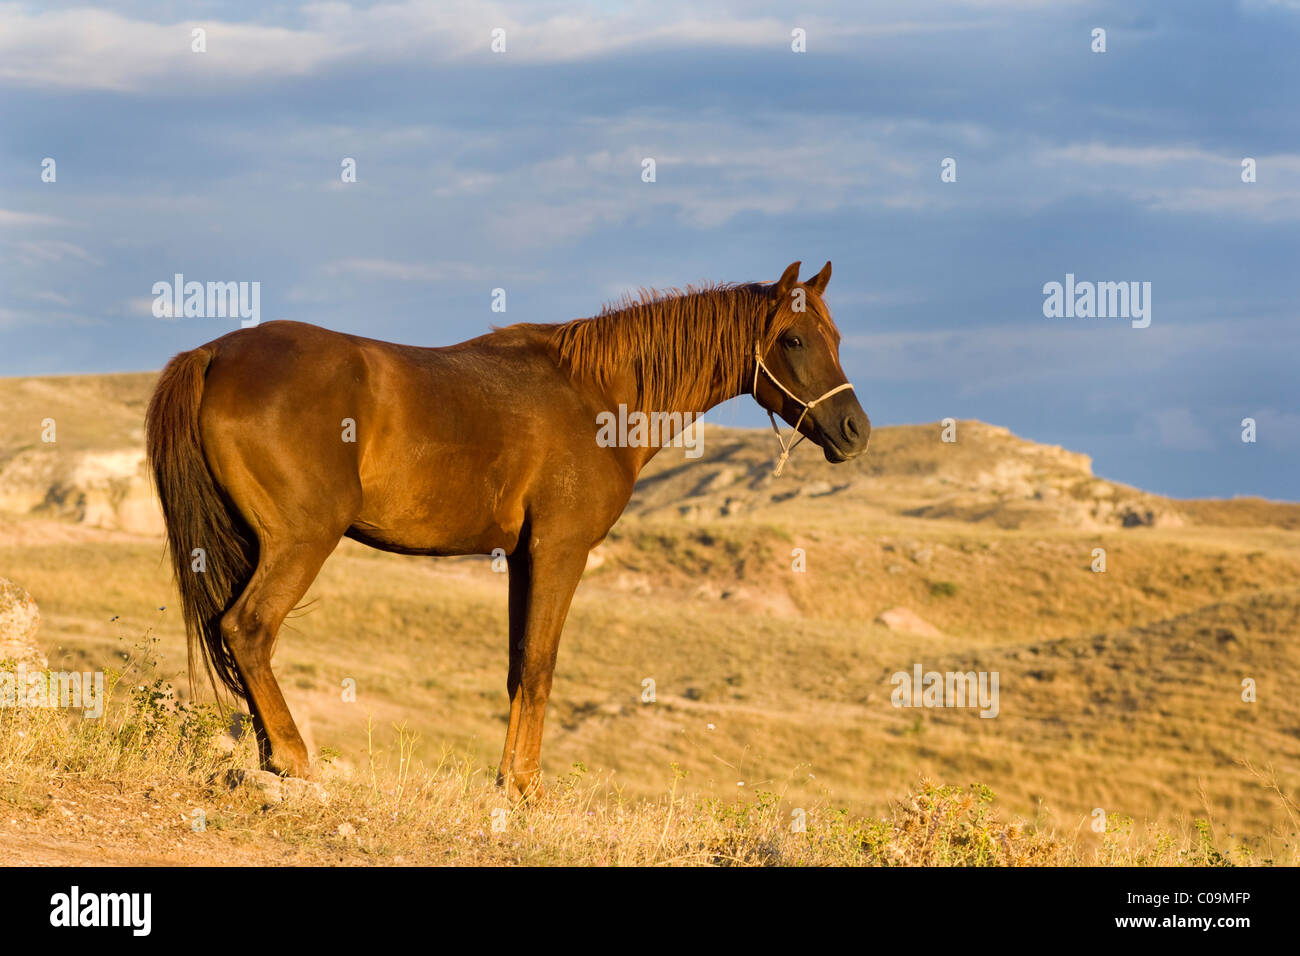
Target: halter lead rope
<point>807,407</point>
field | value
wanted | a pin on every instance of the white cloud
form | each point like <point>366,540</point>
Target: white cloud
<point>56,318</point>
<point>1103,154</point>
<point>143,306</point>
<point>11,217</point>
<point>49,296</point>
<point>1279,429</point>
<point>35,252</point>
<point>86,48</point>
<point>1178,429</point>
<point>392,270</point>
<point>1256,202</point>
<point>1181,179</point>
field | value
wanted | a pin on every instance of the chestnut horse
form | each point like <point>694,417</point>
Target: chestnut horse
<point>271,443</point>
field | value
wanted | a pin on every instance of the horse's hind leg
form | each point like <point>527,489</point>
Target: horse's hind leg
<point>285,569</point>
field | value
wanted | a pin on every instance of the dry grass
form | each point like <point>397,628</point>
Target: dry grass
<point>1112,701</point>
<point>133,782</point>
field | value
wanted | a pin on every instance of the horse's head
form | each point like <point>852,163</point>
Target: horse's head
<point>798,374</point>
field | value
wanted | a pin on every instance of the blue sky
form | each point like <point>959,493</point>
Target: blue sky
<point>522,170</point>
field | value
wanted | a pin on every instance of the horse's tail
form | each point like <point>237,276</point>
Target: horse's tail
<point>198,516</point>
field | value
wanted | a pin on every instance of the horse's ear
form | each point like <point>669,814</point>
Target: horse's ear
<point>818,282</point>
<point>789,279</point>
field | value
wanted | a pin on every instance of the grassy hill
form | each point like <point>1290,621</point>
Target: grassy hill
<point>1119,690</point>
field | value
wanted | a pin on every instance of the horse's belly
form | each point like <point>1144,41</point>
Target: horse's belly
<point>440,518</point>
<point>452,537</point>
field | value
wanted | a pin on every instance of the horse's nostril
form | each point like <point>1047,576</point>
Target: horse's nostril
<point>849,428</point>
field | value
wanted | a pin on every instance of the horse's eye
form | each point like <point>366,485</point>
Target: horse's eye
<point>793,342</point>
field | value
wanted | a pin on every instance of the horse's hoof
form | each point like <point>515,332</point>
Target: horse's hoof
<point>289,767</point>
<point>520,787</point>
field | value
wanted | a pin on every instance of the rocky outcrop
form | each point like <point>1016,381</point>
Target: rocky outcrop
<point>19,621</point>
<point>986,476</point>
<point>102,489</point>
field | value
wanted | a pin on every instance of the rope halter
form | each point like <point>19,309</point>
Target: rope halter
<point>807,407</point>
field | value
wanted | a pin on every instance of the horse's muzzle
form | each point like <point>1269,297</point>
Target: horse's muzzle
<point>848,439</point>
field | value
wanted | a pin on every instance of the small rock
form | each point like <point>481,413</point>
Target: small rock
<point>265,784</point>
<point>731,506</point>
<point>905,620</point>
<point>295,788</point>
<point>276,789</point>
<point>707,592</point>
<point>719,479</point>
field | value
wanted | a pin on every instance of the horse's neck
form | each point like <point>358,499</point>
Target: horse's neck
<point>684,396</point>
<point>623,392</point>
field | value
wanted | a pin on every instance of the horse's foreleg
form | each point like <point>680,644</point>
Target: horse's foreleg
<point>554,570</point>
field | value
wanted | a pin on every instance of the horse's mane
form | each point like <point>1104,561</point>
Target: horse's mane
<point>681,343</point>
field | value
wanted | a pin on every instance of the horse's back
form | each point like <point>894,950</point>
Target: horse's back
<point>431,450</point>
